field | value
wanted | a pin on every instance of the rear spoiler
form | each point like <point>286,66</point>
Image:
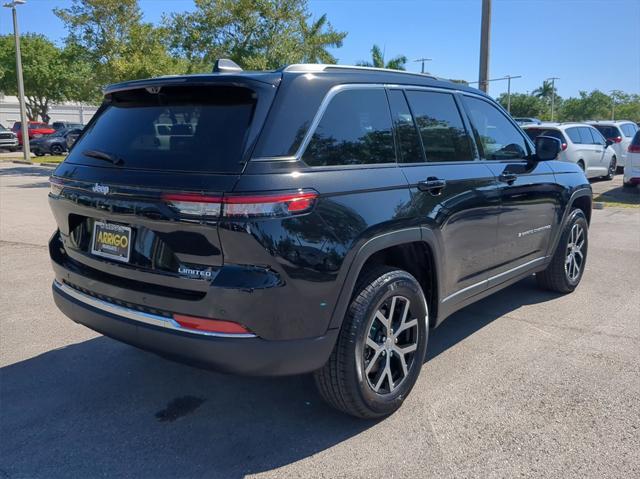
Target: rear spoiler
<point>236,79</point>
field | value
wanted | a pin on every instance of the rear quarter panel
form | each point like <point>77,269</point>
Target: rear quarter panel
<point>312,253</point>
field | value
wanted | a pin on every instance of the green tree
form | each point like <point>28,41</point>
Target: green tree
<point>587,106</point>
<point>546,91</point>
<point>525,105</point>
<point>51,74</point>
<point>256,34</point>
<point>627,106</point>
<point>317,36</point>
<point>112,36</point>
<point>377,60</point>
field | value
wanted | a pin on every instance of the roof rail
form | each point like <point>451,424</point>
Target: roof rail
<point>322,67</point>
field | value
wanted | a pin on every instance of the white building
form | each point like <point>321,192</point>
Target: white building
<point>75,112</point>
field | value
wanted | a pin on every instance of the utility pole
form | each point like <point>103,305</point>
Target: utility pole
<point>485,31</point>
<point>553,93</point>
<point>23,109</point>
<point>422,60</point>
<point>613,104</point>
<point>508,78</point>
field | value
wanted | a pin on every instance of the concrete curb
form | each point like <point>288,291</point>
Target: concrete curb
<point>33,163</point>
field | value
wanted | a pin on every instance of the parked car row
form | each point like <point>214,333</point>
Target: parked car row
<point>590,145</point>
<point>53,139</point>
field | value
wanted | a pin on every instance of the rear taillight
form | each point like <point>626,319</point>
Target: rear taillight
<point>195,205</point>
<point>55,186</point>
<point>210,325</point>
<point>634,148</point>
<point>244,206</point>
<point>617,139</point>
<point>563,146</point>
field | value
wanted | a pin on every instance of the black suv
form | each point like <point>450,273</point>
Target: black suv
<point>313,219</point>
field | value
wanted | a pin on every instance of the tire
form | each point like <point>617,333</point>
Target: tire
<point>56,150</point>
<point>38,153</point>
<point>368,382</point>
<point>628,184</point>
<point>582,167</point>
<point>613,167</point>
<point>563,275</point>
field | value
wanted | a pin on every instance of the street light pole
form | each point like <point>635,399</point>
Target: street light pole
<point>553,93</point>
<point>23,109</point>
<point>508,78</point>
<point>422,60</point>
<point>613,105</point>
<point>485,31</point>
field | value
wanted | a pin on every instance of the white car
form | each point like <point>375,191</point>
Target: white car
<point>632,170</point>
<point>581,144</point>
<point>619,133</point>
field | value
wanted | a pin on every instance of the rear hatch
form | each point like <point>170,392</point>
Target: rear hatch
<point>117,197</point>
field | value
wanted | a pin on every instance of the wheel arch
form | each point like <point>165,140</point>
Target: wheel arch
<point>581,199</point>
<point>406,249</point>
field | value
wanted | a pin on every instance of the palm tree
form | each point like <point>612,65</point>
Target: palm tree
<point>377,57</point>
<point>546,91</point>
<point>317,39</point>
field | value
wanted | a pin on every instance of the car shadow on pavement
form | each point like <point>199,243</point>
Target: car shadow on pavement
<point>476,316</point>
<point>101,408</point>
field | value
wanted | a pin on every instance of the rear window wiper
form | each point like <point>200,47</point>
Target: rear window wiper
<point>101,155</point>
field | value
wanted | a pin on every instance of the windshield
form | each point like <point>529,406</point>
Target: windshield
<point>178,128</point>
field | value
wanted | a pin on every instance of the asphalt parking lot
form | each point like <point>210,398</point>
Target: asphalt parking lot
<point>524,383</point>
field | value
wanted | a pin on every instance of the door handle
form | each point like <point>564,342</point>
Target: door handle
<point>508,178</point>
<point>433,185</point>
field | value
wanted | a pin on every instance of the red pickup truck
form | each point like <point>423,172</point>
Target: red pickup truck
<point>36,130</point>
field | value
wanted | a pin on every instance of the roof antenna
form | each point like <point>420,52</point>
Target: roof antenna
<point>224,65</point>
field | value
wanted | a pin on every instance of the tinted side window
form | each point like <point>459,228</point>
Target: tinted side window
<point>354,130</point>
<point>440,125</point>
<point>598,139</point>
<point>498,137</point>
<point>629,129</point>
<point>406,133</point>
<point>585,135</point>
<point>574,135</point>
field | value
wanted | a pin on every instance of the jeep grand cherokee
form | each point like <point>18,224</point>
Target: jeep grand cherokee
<point>312,219</point>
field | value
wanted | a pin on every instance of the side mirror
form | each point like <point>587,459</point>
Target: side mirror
<point>609,142</point>
<point>547,148</point>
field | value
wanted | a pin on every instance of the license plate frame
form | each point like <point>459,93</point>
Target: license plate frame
<point>114,251</point>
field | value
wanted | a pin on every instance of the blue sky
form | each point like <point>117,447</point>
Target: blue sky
<point>589,44</point>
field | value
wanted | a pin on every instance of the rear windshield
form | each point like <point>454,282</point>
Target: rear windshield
<point>608,131</point>
<point>201,129</point>
<point>534,133</point>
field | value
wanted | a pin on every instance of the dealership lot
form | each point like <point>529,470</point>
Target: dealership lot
<point>522,383</point>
